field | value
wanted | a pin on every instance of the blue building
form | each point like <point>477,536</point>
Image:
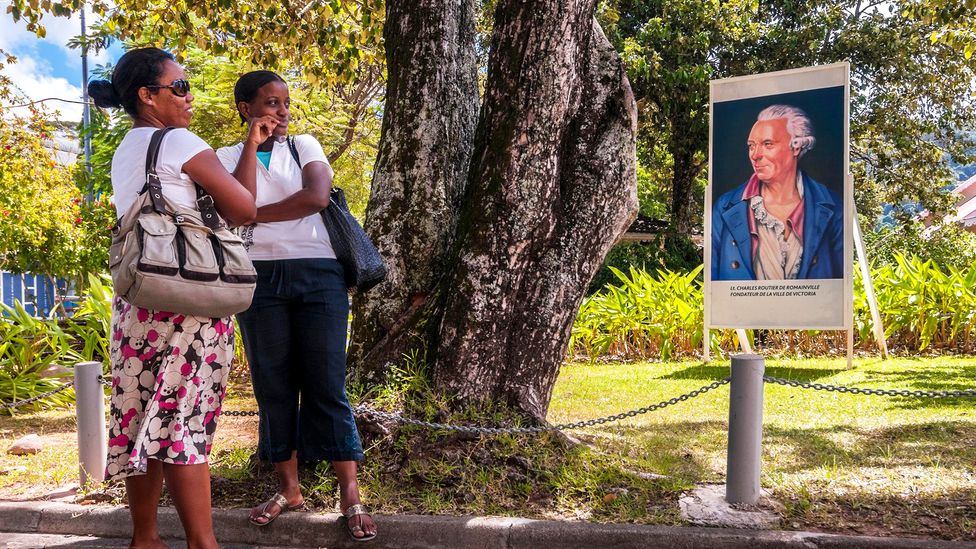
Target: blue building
<point>36,292</point>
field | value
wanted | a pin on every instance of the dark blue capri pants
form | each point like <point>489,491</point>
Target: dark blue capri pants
<point>295,340</point>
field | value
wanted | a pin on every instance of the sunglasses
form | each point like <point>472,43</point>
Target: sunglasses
<point>179,87</point>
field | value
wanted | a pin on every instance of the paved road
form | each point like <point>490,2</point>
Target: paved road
<point>53,524</point>
<point>44,541</point>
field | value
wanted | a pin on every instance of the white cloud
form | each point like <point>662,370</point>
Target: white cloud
<point>34,74</point>
<point>36,81</point>
<point>12,34</point>
<point>15,36</point>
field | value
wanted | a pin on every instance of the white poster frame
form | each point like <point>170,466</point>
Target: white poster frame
<point>760,85</point>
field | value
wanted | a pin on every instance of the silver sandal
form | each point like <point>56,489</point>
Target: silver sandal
<point>283,507</point>
<point>355,511</point>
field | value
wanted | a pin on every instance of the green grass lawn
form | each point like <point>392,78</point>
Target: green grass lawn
<point>837,462</point>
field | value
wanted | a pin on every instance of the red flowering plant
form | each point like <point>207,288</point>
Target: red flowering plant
<point>39,203</point>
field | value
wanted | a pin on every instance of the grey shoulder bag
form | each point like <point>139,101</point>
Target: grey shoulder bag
<point>180,260</point>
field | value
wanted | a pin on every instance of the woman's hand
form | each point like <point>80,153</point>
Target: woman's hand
<point>260,129</point>
<point>234,200</point>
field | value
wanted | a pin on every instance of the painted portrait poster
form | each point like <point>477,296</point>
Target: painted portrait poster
<point>778,248</point>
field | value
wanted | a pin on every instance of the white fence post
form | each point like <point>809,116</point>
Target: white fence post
<point>90,406</point>
<point>745,429</point>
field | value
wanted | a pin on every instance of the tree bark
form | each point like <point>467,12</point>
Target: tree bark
<point>684,207</point>
<point>425,149</point>
<point>488,285</point>
<point>552,186</point>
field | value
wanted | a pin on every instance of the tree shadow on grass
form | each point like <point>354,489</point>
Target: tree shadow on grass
<point>960,378</point>
<point>670,449</point>
<point>950,515</point>
<point>950,444</point>
<point>42,423</point>
<point>843,472</point>
<point>704,372</point>
<point>707,372</point>
<point>682,445</point>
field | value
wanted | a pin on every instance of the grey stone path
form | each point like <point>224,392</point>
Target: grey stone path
<point>87,526</point>
<point>61,541</point>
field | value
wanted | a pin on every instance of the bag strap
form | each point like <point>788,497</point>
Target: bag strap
<point>153,185</point>
<point>294,154</point>
<point>205,203</point>
<point>208,211</point>
<point>152,154</point>
<point>294,151</point>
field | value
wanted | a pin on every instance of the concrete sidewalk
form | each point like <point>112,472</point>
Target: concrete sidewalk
<point>64,541</point>
<point>302,530</point>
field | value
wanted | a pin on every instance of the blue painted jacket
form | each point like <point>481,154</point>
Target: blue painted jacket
<point>823,235</point>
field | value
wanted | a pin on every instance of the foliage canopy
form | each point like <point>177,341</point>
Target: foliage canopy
<point>330,40</point>
<point>44,226</point>
<point>911,96</point>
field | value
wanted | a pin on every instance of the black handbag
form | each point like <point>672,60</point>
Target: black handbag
<point>360,259</point>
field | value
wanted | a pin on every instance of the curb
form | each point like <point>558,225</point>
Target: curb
<point>436,532</point>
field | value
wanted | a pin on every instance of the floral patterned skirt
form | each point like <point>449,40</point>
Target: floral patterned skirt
<point>169,375</point>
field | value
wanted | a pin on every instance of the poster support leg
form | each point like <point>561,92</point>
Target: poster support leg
<point>706,351</point>
<point>850,348</point>
<point>743,341</point>
<point>878,328</point>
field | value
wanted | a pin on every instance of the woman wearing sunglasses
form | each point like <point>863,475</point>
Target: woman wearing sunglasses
<point>295,330</point>
<point>169,371</point>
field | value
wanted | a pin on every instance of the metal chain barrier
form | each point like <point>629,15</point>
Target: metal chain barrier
<point>864,391</point>
<point>35,398</point>
<point>238,413</point>
<point>366,411</point>
<point>370,412</point>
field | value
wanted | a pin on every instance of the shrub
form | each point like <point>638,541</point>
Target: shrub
<point>675,253</point>
<point>28,348</point>
<point>34,351</point>
<point>645,316</point>
<point>922,306</point>
<point>91,322</point>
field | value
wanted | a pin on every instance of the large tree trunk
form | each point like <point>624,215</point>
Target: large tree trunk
<point>552,186</point>
<point>683,203</point>
<point>489,286</point>
<point>429,121</point>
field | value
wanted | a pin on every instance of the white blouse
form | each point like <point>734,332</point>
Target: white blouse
<point>295,238</point>
<point>129,167</point>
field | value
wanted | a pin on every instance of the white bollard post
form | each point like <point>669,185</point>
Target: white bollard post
<point>90,406</point>
<point>745,429</point>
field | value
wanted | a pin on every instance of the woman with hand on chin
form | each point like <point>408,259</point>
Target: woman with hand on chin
<point>169,371</point>
<point>295,330</point>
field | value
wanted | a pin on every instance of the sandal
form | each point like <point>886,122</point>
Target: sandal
<point>283,506</point>
<point>355,511</point>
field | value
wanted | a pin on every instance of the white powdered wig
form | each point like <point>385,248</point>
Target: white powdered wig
<point>797,123</point>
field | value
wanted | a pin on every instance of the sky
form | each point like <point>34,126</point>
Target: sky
<point>47,67</point>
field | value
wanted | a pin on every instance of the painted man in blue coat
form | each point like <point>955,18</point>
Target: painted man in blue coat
<point>780,224</point>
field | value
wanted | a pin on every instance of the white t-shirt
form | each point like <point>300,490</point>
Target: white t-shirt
<point>295,238</point>
<point>129,167</point>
